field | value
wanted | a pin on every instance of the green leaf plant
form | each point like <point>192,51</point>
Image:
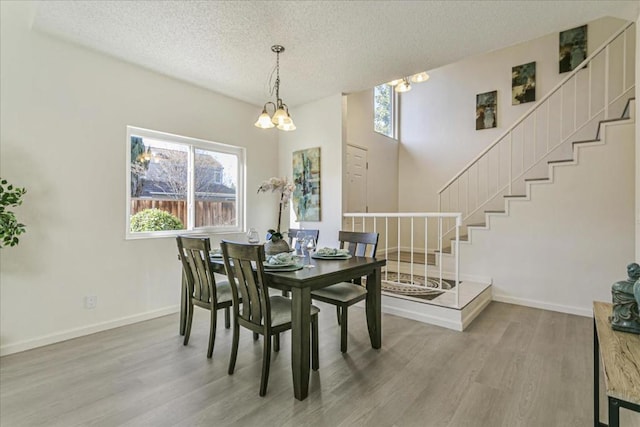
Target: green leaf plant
<point>10,228</point>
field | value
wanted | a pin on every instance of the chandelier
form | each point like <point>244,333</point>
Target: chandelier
<point>403,85</point>
<point>281,117</point>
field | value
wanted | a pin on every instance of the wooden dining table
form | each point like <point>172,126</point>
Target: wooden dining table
<point>301,282</point>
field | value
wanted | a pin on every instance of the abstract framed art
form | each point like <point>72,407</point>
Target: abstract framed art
<point>573,48</point>
<point>523,83</point>
<point>487,110</point>
<point>306,178</point>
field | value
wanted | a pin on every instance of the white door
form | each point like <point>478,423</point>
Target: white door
<point>356,183</point>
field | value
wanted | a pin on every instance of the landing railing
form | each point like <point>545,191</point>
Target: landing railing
<point>594,91</point>
<point>404,241</point>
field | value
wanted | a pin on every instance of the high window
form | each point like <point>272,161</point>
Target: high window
<point>383,110</point>
<point>178,185</point>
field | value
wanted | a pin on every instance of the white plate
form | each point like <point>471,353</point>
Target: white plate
<point>277,266</point>
<point>293,267</point>
<point>317,256</point>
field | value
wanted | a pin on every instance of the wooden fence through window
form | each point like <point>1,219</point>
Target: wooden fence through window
<point>208,213</point>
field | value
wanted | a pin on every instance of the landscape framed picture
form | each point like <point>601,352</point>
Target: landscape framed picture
<point>487,110</point>
<point>523,83</point>
<point>306,178</point>
<point>573,48</point>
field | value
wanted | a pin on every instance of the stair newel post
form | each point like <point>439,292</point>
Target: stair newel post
<point>426,245</point>
<point>440,248</point>
<point>386,243</point>
<point>606,82</point>
<point>575,104</point>
<point>411,249</point>
<point>458,225</point>
<point>399,244</point>
<point>510,160</point>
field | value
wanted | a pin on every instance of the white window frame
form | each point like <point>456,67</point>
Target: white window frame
<point>193,143</point>
<point>394,116</point>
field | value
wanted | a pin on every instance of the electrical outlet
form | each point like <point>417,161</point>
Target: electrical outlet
<point>90,302</point>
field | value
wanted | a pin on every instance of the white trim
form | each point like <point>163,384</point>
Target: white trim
<point>86,330</point>
<point>407,313</point>
<point>579,311</point>
<point>192,144</point>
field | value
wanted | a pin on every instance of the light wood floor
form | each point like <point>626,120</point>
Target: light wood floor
<point>514,366</point>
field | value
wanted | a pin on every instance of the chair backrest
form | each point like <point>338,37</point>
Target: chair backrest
<point>292,236</point>
<point>194,254</point>
<point>244,265</point>
<point>359,244</point>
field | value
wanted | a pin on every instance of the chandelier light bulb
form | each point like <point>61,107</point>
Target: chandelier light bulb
<point>420,77</point>
<point>264,121</point>
<point>279,116</point>
<point>403,86</point>
<point>394,82</point>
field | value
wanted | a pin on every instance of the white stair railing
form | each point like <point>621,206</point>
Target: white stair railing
<point>411,233</point>
<point>596,90</point>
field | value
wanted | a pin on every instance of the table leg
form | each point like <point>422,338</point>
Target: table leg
<point>596,377</point>
<point>614,412</point>
<point>374,307</point>
<point>300,348</point>
<point>183,305</point>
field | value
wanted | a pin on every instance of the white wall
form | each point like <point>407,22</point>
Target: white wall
<point>382,152</point>
<point>319,124</point>
<point>565,247</point>
<point>438,136</point>
<point>560,255</point>
<point>64,112</point>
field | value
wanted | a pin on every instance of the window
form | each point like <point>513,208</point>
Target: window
<point>179,183</point>
<point>383,110</point>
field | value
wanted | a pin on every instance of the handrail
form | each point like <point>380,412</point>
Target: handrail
<point>536,105</point>
<point>418,236</point>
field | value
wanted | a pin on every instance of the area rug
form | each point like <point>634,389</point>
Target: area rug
<point>403,285</point>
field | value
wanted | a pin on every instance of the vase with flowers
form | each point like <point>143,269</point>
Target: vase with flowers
<point>275,243</point>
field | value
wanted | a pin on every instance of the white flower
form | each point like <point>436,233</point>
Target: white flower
<point>280,185</point>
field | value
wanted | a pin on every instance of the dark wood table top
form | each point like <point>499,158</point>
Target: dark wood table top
<point>323,272</point>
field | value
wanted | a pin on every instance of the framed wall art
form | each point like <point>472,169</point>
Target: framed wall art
<point>523,83</point>
<point>487,110</point>
<point>306,178</point>
<point>573,48</point>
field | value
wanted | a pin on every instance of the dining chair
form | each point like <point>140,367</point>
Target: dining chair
<point>345,294</point>
<point>202,289</point>
<point>255,309</point>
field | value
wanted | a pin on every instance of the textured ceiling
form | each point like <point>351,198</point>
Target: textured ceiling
<point>331,46</point>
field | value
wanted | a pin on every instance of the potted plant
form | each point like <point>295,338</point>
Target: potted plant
<point>275,243</point>
<point>10,228</point>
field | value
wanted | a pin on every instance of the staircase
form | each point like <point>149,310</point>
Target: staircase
<point>594,105</point>
<point>548,135</point>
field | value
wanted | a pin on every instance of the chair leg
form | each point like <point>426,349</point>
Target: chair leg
<point>343,330</point>
<point>276,343</point>
<point>266,361</point>
<point>234,345</point>
<point>227,317</point>
<point>338,312</point>
<point>315,362</point>
<point>183,304</point>
<point>187,329</point>
<point>212,331</point>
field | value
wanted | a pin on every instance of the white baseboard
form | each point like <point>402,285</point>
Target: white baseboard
<point>85,330</point>
<point>422,317</point>
<point>579,311</point>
